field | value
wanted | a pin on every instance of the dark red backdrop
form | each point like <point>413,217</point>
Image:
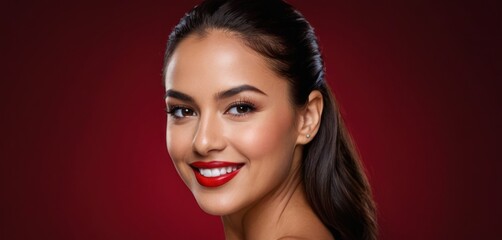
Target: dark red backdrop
<point>83,153</point>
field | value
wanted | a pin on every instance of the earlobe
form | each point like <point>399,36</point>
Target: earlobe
<point>310,118</point>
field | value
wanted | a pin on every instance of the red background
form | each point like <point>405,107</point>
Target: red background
<point>83,153</point>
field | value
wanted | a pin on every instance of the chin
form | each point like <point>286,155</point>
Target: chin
<point>214,210</point>
<point>216,204</point>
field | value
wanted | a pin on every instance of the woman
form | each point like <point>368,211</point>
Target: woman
<point>253,129</point>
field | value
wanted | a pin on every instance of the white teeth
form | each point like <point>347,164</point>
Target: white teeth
<point>206,172</point>
<point>216,172</point>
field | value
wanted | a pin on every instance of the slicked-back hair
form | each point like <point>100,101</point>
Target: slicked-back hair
<point>332,175</point>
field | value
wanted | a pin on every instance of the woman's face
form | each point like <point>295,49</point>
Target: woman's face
<point>231,129</point>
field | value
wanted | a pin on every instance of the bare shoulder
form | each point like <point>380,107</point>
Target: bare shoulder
<point>316,237</point>
<point>292,238</point>
<point>307,230</point>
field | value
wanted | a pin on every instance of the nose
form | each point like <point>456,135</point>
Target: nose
<point>208,136</point>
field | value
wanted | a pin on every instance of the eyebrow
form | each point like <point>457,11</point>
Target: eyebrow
<point>178,95</point>
<point>220,95</point>
<point>236,90</point>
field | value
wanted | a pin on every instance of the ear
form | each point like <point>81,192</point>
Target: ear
<point>310,118</point>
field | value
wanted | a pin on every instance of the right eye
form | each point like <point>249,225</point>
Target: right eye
<point>180,112</point>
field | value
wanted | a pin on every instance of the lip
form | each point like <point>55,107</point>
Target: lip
<point>214,181</point>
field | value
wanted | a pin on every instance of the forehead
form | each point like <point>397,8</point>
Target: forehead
<point>218,58</point>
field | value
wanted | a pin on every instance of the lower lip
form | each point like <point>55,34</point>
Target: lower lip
<point>214,181</point>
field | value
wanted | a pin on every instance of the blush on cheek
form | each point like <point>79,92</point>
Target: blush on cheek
<point>178,140</point>
<point>265,136</point>
<point>178,146</point>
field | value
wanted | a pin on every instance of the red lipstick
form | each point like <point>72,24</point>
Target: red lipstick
<point>215,173</point>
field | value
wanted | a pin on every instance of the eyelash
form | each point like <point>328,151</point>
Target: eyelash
<point>241,103</point>
<point>171,110</point>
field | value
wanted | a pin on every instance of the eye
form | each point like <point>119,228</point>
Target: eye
<point>241,108</point>
<point>180,112</point>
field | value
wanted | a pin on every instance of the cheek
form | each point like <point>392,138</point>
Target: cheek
<point>267,136</point>
<point>179,144</point>
<point>178,140</point>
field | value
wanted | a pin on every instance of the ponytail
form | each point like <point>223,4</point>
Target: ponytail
<point>335,184</point>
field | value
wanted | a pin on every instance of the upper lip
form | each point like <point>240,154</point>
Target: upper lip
<point>214,164</point>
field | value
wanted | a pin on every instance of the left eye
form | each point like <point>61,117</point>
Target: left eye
<point>240,109</point>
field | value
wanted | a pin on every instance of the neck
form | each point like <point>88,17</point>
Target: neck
<point>268,216</point>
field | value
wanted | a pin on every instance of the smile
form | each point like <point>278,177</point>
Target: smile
<point>215,173</point>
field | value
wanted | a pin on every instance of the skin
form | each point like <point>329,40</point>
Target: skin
<point>260,128</point>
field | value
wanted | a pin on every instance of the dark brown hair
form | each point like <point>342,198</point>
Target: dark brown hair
<point>335,184</point>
